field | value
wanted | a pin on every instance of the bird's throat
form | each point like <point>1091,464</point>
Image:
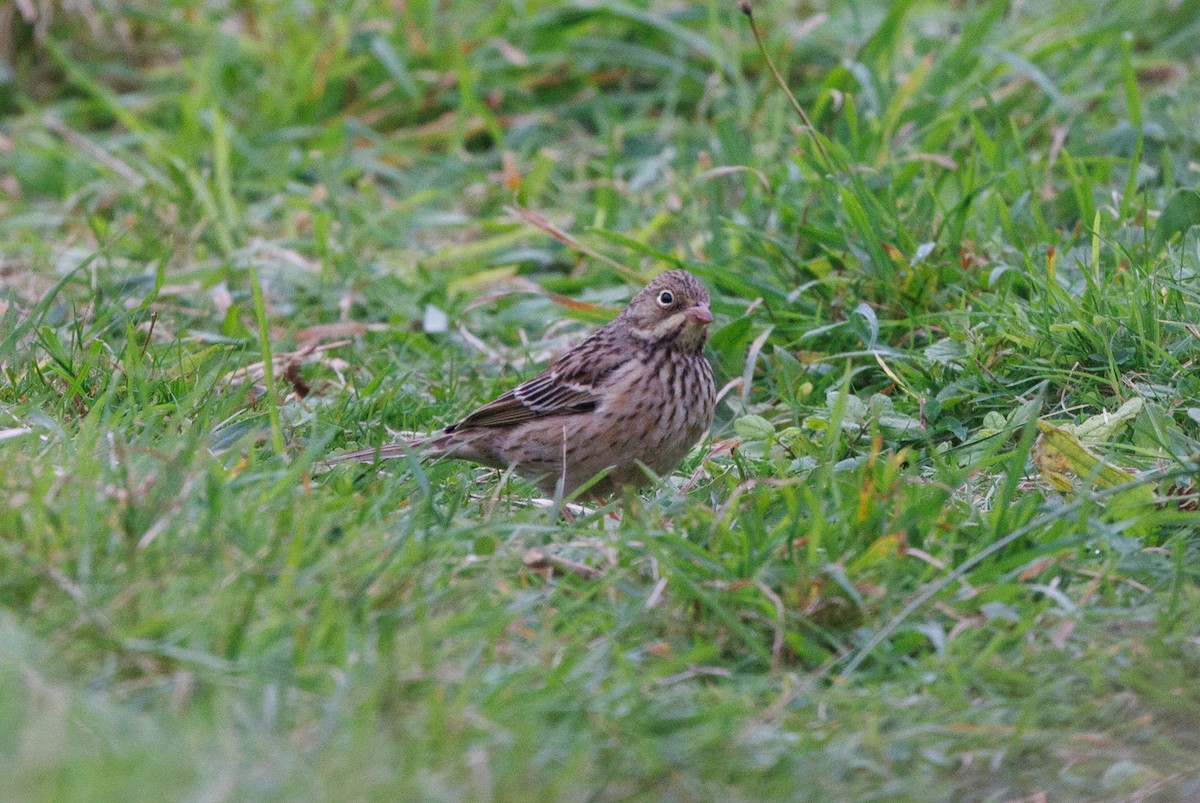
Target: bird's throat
<point>677,332</point>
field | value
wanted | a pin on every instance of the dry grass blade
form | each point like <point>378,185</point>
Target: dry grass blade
<point>82,143</point>
<point>777,643</point>
<point>255,372</point>
<point>341,329</point>
<point>542,561</point>
<point>729,170</point>
<point>543,224</point>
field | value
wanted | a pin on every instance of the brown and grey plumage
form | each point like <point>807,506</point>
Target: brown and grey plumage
<point>637,391</point>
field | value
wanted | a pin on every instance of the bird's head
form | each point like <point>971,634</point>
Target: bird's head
<point>672,310</point>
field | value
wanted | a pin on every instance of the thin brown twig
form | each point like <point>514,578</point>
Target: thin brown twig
<point>777,645</point>
<point>746,8</point>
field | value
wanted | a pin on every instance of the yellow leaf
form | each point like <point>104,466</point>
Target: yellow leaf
<point>1060,454</point>
<point>1065,463</point>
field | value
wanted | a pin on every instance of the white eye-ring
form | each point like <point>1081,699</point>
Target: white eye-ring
<point>666,298</point>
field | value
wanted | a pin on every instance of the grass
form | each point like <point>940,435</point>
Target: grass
<point>942,544</point>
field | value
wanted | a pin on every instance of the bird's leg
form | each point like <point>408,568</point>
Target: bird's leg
<point>563,476</point>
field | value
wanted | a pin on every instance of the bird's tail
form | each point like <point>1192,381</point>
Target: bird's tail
<point>439,444</point>
<point>389,451</point>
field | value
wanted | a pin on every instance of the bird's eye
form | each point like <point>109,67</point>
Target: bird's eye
<point>666,298</point>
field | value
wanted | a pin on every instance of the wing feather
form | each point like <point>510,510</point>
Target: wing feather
<point>572,385</point>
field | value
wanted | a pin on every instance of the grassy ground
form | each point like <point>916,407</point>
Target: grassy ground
<point>942,543</point>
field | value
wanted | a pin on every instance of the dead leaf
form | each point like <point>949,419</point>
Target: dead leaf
<point>328,331</point>
<point>255,372</point>
<point>291,373</point>
<point>509,172</point>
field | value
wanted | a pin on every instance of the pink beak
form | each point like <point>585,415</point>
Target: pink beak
<point>699,314</point>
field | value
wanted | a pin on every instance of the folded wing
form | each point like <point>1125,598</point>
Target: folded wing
<point>573,385</point>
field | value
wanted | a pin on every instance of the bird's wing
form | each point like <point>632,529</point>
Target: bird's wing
<point>571,385</point>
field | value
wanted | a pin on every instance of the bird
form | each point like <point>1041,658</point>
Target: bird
<point>638,393</point>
